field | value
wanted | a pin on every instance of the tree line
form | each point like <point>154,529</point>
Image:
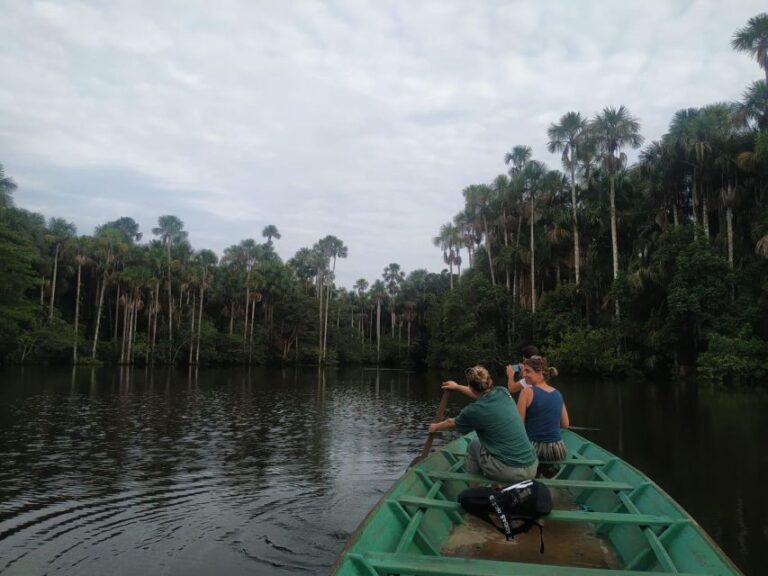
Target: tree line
<point>658,265</point>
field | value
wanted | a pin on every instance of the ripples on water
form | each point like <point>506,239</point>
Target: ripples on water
<point>269,471</point>
<point>171,473</point>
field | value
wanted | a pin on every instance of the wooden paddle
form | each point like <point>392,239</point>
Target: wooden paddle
<point>438,418</point>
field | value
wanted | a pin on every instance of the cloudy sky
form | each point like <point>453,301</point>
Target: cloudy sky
<point>364,120</point>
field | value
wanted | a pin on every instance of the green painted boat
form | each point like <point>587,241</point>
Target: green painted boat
<point>608,519</point>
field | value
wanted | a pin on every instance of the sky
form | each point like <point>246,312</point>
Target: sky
<point>364,120</point>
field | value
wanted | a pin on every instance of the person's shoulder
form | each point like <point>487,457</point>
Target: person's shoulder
<point>527,391</point>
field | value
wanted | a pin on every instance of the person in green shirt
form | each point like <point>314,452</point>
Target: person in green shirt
<point>501,451</point>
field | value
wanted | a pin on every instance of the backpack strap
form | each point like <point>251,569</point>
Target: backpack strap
<point>506,522</point>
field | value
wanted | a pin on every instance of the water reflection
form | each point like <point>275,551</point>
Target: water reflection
<point>267,471</point>
<point>195,471</point>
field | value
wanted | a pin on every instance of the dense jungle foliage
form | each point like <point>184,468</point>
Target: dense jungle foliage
<point>659,265</point>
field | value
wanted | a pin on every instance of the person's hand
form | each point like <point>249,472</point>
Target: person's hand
<point>432,428</point>
<point>450,385</point>
<point>510,370</point>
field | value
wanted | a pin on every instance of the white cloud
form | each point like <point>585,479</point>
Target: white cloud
<point>365,120</point>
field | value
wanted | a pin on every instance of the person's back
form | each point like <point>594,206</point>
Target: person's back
<point>501,451</point>
<point>499,428</point>
<point>543,412</point>
<point>543,416</point>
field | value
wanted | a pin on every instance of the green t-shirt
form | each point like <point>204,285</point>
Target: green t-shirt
<point>501,432</point>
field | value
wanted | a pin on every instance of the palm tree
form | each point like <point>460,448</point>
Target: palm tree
<point>393,278</point>
<point>532,175</point>
<point>245,256</point>
<point>331,248</point>
<point>378,292</point>
<point>7,187</point>
<point>360,287</point>
<point>682,137</point>
<point>270,231</point>
<point>58,233</point>
<point>755,104</point>
<point>448,241</point>
<point>518,157</point>
<point>304,266</point>
<point>206,261</point>
<point>170,229</point>
<point>128,227</point>
<point>479,198</point>
<point>612,130</point>
<point>565,137</point>
<point>82,248</point>
<point>657,170</point>
<point>107,245</point>
<point>753,39</point>
<point>465,232</point>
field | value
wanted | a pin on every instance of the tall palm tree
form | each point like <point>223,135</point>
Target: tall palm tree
<point>465,230</point>
<point>270,231</point>
<point>170,229</point>
<point>393,278</point>
<point>108,244</point>
<point>360,287</point>
<point>332,248</point>
<point>565,137</point>
<point>612,130</point>
<point>59,232</point>
<point>682,137</point>
<point>82,248</point>
<point>378,292</point>
<point>518,158</point>
<point>753,39</point>
<point>245,256</point>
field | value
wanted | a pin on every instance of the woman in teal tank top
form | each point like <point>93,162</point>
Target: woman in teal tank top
<point>542,410</point>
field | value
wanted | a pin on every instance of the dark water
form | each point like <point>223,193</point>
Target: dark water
<point>269,471</point>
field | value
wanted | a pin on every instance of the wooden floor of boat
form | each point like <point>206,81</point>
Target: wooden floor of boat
<point>565,543</point>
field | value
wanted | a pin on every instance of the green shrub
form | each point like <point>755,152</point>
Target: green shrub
<point>589,350</point>
<point>734,360</point>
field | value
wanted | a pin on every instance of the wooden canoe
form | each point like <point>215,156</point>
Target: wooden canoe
<point>608,519</point>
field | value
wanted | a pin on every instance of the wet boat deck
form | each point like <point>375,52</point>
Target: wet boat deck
<point>565,543</point>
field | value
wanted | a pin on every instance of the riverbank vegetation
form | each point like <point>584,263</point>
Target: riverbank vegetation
<point>611,266</point>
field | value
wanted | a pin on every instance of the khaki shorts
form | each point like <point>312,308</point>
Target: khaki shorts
<point>478,461</point>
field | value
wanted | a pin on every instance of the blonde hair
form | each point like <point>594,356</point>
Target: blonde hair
<point>539,364</point>
<point>478,378</point>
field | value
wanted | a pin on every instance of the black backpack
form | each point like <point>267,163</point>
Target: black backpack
<point>518,507</point>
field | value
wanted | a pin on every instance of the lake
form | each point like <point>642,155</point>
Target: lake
<point>268,471</point>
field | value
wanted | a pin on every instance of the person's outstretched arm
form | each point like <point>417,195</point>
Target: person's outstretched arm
<point>451,385</point>
<point>447,424</point>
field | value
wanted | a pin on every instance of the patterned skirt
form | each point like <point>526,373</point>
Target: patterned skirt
<point>549,452</point>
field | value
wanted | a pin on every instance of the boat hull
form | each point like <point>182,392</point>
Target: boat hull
<point>415,527</point>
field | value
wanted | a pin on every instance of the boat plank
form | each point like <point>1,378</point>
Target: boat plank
<point>551,482</point>
<point>562,515</point>
<point>451,566</point>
